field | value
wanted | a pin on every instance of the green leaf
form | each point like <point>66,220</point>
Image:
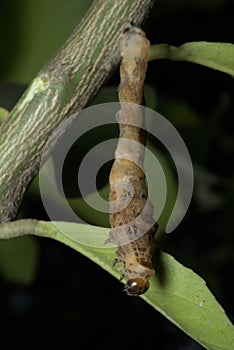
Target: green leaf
<point>183,297</point>
<point>176,291</point>
<point>218,56</point>
<point>18,259</point>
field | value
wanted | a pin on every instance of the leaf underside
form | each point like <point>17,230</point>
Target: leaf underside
<point>176,291</point>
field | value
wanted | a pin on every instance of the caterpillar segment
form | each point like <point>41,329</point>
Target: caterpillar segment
<point>131,213</point>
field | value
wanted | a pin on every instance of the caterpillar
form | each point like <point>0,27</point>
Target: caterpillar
<point>131,213</point>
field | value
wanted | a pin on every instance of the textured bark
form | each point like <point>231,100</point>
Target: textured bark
<point>61,88</point>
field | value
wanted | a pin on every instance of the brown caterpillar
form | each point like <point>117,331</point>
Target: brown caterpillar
<point>131,216</point>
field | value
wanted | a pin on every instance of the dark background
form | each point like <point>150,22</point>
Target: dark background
<point>67,301</point>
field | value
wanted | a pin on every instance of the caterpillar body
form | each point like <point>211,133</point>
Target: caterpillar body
<point>131,216</point>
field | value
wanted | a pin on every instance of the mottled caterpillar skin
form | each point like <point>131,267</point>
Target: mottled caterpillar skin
<point>131,218</point>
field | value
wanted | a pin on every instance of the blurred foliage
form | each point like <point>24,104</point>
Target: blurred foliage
<point>36,30</point>
<point>18,259</point>
<point>197,100</point>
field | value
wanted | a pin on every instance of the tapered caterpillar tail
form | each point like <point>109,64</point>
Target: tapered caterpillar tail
<point>131,213</point>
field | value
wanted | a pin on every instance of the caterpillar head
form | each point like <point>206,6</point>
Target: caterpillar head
<point>138,275</point>
<point>136,286</point>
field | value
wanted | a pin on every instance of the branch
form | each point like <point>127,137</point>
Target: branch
<point>60,89</point>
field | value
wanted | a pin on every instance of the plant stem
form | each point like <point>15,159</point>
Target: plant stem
<point>160,51</point>
<point>214,55</point>
<point>61,88</point>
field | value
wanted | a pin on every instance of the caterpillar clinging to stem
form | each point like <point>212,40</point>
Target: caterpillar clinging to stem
<point>131,213</point>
